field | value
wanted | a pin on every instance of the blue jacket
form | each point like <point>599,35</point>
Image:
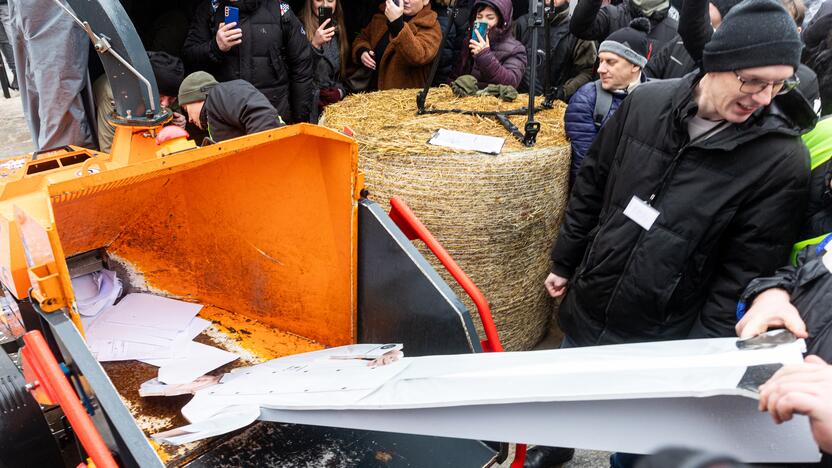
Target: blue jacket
<point>580,128</point>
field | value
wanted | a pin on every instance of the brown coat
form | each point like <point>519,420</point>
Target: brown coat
<point>407,59</point>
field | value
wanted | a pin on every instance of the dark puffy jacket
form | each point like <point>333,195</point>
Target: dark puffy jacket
<point>236,108</point>
<point>580,124</point>
<point>572,62</point>
<point>274,56</point>
<point>504,62</point>
<point>671,61</point>
<point>809,284</point>
<point>454,40</point>
<point>730,209</point>
<point>591,21</point>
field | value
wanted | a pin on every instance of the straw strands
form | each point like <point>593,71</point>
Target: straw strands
<point>496,215</point>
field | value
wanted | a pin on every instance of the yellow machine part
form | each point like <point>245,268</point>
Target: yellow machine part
<point>264,225</point>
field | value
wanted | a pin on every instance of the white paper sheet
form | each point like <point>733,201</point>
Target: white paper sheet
<point>196,361</point>
<point>153,311</point>
<point>467,141</point>
<point>95,292</point>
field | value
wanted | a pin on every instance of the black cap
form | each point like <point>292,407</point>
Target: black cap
<point>755,33</point>
<point>169,72</point>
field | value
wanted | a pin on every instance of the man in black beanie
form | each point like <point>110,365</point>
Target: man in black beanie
<point>169,72</point>
<point>694,187</point>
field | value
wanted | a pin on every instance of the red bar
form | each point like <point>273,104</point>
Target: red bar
<point>406,220</point>
<point>49,375</point>
<point>403,216</point>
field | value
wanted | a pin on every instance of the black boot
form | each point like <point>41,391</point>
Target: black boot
<point>13,85</point>
<point>542,456</point>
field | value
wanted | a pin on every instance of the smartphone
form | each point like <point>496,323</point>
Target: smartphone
<point>232,15</point>
<point>325,13</point>
<point>480,26</point>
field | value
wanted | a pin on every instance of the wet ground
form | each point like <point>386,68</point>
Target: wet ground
<point>14,133</point>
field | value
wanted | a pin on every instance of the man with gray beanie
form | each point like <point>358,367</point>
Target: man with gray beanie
<point>226,110</point>
<point>694,187</point>
<point>621,57</point>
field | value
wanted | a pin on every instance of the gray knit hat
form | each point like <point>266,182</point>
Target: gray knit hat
<point>755,33</point>
<point>630,43</point>
<point>195,87</point>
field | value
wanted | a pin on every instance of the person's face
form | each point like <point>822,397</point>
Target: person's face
<point>322,3</point>
<point>735,95</point>
<point>193,110</point>
<point>167,101</point>
<point>716,16</point>
<point>615,71</point>
<point>489,16</point>
<point>412,7</point>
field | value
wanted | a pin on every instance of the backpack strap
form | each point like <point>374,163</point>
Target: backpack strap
<point>603,104</point>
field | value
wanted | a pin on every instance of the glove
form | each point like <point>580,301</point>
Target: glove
<point>504,92</point>
<point>465,85</point>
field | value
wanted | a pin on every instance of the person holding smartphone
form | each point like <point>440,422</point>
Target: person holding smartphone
<point>493,55</point>
<point>399,44</point>
<point>323,20</point>
<point>266,46</point>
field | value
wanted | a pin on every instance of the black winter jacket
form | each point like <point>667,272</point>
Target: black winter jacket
<point>591,21</point>
<point>730,209</point>
<point>671,61</point>
<point>809,284</point>
<point>236,108</point>
<point>274,56</point>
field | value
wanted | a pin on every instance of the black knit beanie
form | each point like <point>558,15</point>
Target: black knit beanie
<point>755,33</point>
<point>630,43</point>
<point>724,6</point>
<point>169,72</point>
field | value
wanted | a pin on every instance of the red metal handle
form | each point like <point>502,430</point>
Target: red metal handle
<point>403,216</point>
<point>39,358</point>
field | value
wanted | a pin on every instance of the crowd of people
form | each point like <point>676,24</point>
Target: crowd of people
<point>701,181</point>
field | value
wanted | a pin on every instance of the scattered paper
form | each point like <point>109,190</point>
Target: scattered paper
<point>197,360</point>
<point>227,420</point>
<point>154,387</point>
<point>467,141</point>
<point>96,291</point>
<point>153,311</point>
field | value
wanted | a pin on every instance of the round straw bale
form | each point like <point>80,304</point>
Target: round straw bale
<point>496,215</point>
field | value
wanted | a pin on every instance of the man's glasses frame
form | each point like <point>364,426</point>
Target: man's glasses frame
<point>754,86</point>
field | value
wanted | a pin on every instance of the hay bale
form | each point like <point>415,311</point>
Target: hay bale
<point>497,215</point>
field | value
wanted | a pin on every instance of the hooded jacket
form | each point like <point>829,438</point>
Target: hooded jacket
<point>591,21</point>
<point>573,60</point>
<point>274,55</point>
<point>730,208</point>
<point>504,61</point>
<point>407,58</point>
<point>236,108</point>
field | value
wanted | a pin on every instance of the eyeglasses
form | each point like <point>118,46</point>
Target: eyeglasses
<point>754,86</point>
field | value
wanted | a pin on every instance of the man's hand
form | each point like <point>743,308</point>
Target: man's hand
<point>228,36</point>
<point>323,34</point>
<point>367,58</point>
<point>555,285</point>
<point>477,46</point>
<point>803,389</point>
<point>771,308</point>
<point>393,11</point>
<point>179,120</point>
